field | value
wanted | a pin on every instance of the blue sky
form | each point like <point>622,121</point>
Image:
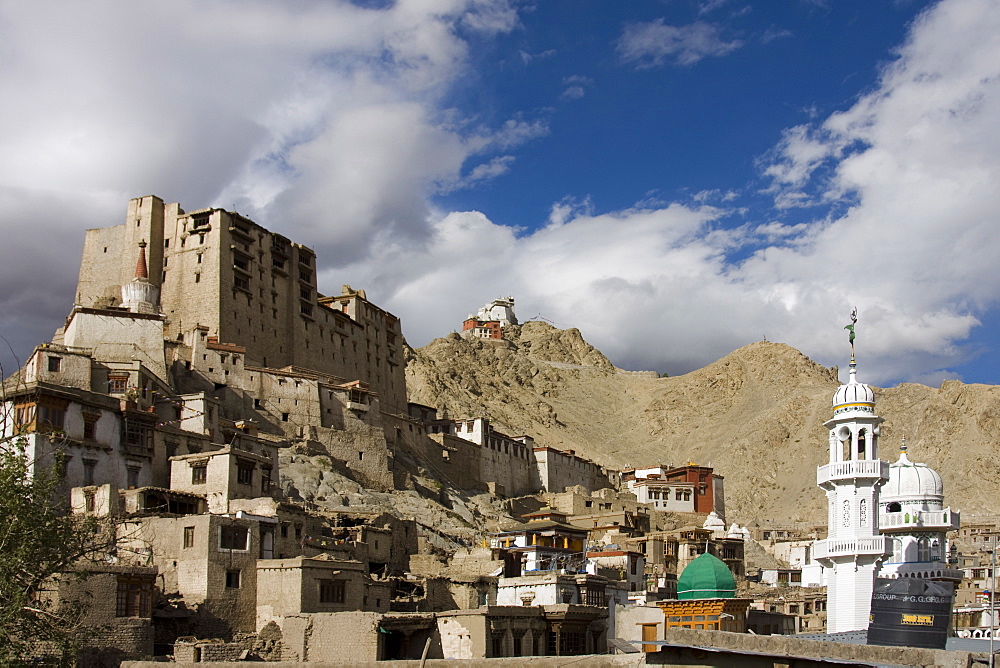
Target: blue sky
<point>675,179</point>
<point>622,129</point>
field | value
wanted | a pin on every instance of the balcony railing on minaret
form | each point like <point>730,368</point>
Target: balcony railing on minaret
<point>854,469</point>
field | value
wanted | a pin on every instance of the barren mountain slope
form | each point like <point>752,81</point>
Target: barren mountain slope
<point>756,415</point>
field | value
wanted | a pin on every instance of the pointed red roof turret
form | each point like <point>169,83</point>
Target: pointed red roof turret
<point>141,270</point>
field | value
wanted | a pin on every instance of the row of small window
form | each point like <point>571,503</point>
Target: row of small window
<point>42,416</point>
<point>236,537</point>
<point>232,537</point>
<point>927,550</point>
<point>679,494</point>
<point>51,416</point>
<point>244,475</point>
<point>568,643</point>
<point>166,242</point>
<point>693,618</point>
<point>242,263</point>
<point>330,591</point>
<point>600,506</point>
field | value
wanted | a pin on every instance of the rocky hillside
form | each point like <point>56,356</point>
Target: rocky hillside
<point>756,415</point>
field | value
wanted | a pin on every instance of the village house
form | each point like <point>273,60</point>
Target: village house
<point>511,465</point>
<point>690,488</point>
<point>545,543</point>
<point>212,551</point>
<point>619,565</point>
<point>789,610</point>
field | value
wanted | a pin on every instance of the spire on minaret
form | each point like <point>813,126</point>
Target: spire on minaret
<point>903,459</point>
<point>141,270</point>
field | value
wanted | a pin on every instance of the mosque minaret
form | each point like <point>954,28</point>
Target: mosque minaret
<point>854,549</point>
<point>884,520</point>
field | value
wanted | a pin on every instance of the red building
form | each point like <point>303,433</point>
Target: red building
<point>706,486</point>
<point>490,329</point>
<point>704,481</point>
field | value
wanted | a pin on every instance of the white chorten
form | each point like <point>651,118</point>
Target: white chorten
<point>715,524</point>
<point>139,295</point>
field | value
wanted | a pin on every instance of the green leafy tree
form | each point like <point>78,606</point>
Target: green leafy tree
<point>40,540</point>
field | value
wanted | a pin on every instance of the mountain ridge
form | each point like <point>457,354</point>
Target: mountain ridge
<point>756,415</point>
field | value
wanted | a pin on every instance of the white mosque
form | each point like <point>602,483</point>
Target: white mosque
<point>912,514</point>
<point>883,520</point>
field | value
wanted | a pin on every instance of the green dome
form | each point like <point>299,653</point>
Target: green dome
<point>706,577</point>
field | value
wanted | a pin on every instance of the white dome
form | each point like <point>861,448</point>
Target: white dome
<point>912,481</point>
<point>854,393</point>
<point>854,396</point>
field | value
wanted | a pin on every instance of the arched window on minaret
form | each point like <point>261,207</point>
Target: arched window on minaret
<point>847,513</point>
<point>863,513</point>
<point>897,550</point>
<point>845,444</point>
<point>862,444</point>
<point>923,550</point>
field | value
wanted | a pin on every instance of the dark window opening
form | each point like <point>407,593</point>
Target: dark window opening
<point>198,475</point>
<point>134,597</point>
<point>233,538</point>
<point>244,474</point>
<point>89,466</point>
<point>89,428</point>
<point>331,591</point>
